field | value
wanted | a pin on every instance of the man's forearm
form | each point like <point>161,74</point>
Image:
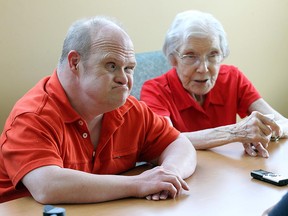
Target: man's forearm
<point>54,185</point>
<point>179,157</point>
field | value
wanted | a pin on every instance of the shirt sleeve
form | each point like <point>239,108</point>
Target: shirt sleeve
<point>156,96</point>
<point>247,94</point>
<point>28,145</point>
<point>159,134</point>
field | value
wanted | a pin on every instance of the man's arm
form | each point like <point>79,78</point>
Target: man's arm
<point>52,184</point>
<point>179,159</point>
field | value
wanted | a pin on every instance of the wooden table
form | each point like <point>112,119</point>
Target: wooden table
<point>220,186</point>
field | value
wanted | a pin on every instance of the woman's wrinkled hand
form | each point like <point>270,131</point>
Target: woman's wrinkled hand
<point>255,133</point>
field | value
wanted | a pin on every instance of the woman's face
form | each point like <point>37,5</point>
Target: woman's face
<point>197,63</point>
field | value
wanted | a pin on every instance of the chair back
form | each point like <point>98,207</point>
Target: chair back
<point>149,65</point>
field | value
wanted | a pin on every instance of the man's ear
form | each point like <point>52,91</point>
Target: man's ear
<point>73,60</point>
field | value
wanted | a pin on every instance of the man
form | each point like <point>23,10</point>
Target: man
<point>67,137</point>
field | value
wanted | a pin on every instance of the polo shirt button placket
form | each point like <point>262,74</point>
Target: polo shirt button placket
<point>84,135</point>
<point>81,123</point>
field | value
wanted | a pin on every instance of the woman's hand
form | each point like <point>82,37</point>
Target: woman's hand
<point>255,133</point>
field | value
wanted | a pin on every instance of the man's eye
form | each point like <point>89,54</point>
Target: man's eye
<point>129,70</point>
<point>111,66</point>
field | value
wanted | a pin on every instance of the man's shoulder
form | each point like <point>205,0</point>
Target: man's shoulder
<point>32,100</point>
<point>37,102</point>
<point>133,103</point>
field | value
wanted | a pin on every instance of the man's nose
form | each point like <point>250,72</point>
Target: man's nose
<point>121,76</point>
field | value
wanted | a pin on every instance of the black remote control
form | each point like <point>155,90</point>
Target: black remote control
<point>269,177</point>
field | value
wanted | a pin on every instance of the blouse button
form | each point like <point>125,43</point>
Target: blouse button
<point>80,122</point>
<point>84,135</point>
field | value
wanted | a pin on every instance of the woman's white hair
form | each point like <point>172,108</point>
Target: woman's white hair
<point>193,24</point>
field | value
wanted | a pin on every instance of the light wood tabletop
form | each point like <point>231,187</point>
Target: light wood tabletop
<point>221,185</point>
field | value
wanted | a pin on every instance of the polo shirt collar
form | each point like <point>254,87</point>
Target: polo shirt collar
<point>122,110</point>
<point>55,90</point>
<point>184,100</point>
<point>215,95</point>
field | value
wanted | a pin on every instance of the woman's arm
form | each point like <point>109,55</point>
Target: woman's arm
<point>263,107</point>
<point>254,131</point>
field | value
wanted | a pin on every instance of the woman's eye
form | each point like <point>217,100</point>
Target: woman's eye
<point>191,56</point>
<point>111,66</point>
<point>213,54</point>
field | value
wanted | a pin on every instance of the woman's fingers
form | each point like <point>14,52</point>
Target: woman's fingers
<point>254,149</point>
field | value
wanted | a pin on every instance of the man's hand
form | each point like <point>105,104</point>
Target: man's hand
<point>160,183</point>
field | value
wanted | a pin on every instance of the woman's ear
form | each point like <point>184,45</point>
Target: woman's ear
<point>73,60</point>
<point>173,60</point>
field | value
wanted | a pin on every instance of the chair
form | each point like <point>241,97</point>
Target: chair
<point>149,65</point>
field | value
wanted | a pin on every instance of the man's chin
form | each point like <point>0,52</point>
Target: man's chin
<point>122,100</point>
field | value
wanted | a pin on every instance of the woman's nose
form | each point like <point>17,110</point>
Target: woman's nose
<point>202,66</point>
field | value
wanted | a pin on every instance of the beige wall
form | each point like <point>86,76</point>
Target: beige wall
<point>32,31</point>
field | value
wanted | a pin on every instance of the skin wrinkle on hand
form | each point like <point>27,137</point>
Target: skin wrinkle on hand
<point>273,137</point>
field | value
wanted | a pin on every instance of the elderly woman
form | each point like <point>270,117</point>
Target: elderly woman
<point>201,97</point>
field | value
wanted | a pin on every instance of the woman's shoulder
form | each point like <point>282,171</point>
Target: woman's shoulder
<point>224,68</point>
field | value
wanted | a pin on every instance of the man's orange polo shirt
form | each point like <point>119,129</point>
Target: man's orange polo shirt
<point>43,129</point>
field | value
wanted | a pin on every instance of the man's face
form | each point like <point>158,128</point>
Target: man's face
<point>107,76</point>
